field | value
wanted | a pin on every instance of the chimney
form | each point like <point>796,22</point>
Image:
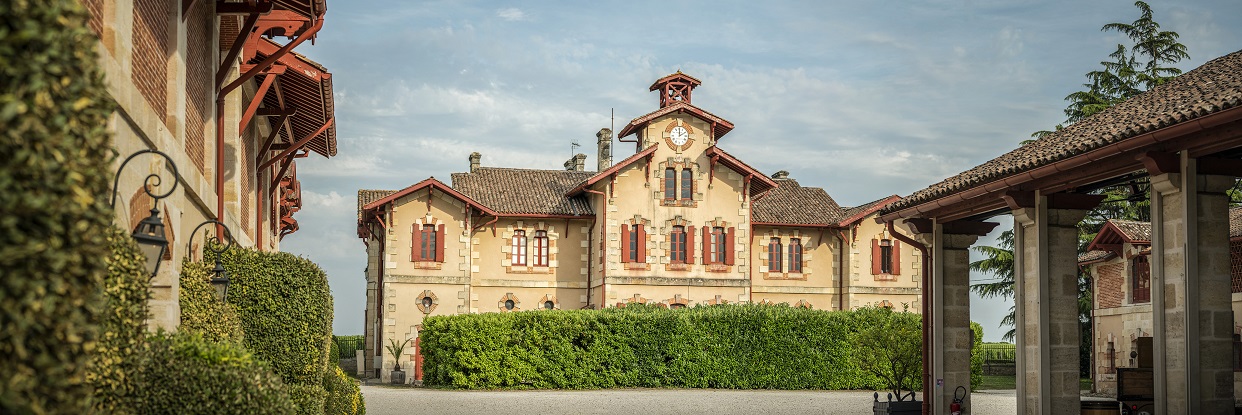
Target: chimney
<point>783,174</point>
<point>576,163</point>
<point>605,148</point>
<point>474,161</point>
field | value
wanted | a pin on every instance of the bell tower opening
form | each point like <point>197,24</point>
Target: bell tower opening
<point>675,88</point>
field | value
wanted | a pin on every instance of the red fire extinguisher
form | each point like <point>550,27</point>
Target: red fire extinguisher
<point>956,407</point>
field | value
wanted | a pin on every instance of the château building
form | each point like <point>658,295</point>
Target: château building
<point>678,223</point>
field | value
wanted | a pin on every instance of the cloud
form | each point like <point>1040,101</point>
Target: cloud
<point>511,14</point>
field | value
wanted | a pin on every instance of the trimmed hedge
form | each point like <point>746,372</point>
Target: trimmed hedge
<point>743,346</point>
<point>976,356</point>
<point>122,340</point>
<point>344,395</point>
<point>308,399</point>
<point>201,312</point>
<point>285,308</point>
<point>184,374</point>
<point>55,176</point>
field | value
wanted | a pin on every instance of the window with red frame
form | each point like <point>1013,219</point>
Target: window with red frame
<point>427,243</point>
<point>687,184</point>
<point>633,243</point>
<point>517,249</point>
<point>670,184</point>
<point>775,251</point>
<point>795,255</point>
<point>541,249</point>
<point>677,245</point>
<point>1140,280</point>
<point>718,245</point>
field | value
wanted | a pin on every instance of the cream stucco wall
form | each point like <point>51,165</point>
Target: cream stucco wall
<point>867,289</point>
<point>819,282</point>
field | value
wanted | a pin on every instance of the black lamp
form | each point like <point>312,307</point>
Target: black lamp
<point>220,278</point>
<point>149,233</point>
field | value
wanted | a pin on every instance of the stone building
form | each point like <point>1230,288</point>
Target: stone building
<point>215,86</point>
<point>1119,262</point>
<point>679,223</point>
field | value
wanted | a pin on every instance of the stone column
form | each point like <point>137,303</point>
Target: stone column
<point>1046,290</point>
<point>1191,302</point>
<point>950,320</point>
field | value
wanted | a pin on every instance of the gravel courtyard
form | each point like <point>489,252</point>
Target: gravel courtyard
<point>384,400</point>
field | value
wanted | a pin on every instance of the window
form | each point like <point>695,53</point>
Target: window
<point>1110,357</point>
<point>775,252</point>
<point>670,184</point>
<point>885,259</point>
<point>677,306</point>
<point>677,245</point>
<point>633,243</point>
<point>1237,353</point>
<point>687,184</point>
<point>541,248</point>
<point>717,246</point>
<point>795,255</point>
<point>886,256</point>
<point>1140,272</point>
<point>510,305</point>
<point>427,243</point>
<point>549,305</point>
<point>517,251</point>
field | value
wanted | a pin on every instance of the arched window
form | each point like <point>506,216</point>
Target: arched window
<point>687,184</point>
<point>795,255</point>
<point>517,251</point>
<point>670,184</point>
<point>775,251</point>
<point>541,248</point>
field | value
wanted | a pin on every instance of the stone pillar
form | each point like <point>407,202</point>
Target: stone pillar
<point>1191,300</point>
<point>604,139</point>
<point>950,320</point>
<point>1046,290</point>
<point>475,158</point>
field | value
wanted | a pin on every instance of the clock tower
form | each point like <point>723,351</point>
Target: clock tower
<point>675,88</point>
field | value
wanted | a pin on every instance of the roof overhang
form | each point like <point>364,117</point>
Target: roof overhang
<point>647,152</point>
<point>1200,137</point>
<point>720,126</point>
<point>759,182</point>
<point>429,183</point>
<point>305,87</point>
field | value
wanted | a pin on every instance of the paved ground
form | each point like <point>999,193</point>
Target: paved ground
<point>383,400</point>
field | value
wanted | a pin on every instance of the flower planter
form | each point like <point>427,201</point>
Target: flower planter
<point>397,377</point>
<point>898,407</point>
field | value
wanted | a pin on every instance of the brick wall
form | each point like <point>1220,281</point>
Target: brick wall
<point>198,81</point>
<point>95,8</point>
<point>1109,281</point>
<point>150,54</point>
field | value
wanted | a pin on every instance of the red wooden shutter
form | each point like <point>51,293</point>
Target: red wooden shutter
<point>440,243</point>
<point>416,239</point>
<point>896,257</point>
<point>707,245</point>
<point>640,232</point>
<point>729,249</point>
<point>875,257</point>
<point>625,243</point>
<point>689,244</point>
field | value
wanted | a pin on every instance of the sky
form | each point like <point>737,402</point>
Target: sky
<point>865,99</point>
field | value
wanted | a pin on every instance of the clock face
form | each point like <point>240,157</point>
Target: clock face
<point>679,135</point>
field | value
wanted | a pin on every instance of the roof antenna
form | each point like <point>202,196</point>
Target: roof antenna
<point>573,148</point>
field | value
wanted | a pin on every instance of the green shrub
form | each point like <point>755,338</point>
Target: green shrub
<point>117,356</point>
<point>892,351</point>
<point>285,309</point>
<point>976,356</point>
<point>184,374</point>
<point>344,395</point>
<point>308,399</point>
<point>55,176</point>
<point>201,312</point>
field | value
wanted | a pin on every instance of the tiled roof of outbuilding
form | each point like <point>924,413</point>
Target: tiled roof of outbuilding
<point>1093,256</point>
<point>366,196</point>
<point>790,203</point>
<point>1133,230</point>
<point>524,191</point>
<point>1211,88</point>
<point>849,215</point>
<point>1235,222</point>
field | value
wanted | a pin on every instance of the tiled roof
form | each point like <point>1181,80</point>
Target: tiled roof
<point>1133,230</point>
<point>523,191</point>
<point>722,125</point>
<point>1211,88</point>
<point>759,182</point>
<point>366,196</point>
<point>790,203</point>
<point>1093,256</point>
<point>855,213</point>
